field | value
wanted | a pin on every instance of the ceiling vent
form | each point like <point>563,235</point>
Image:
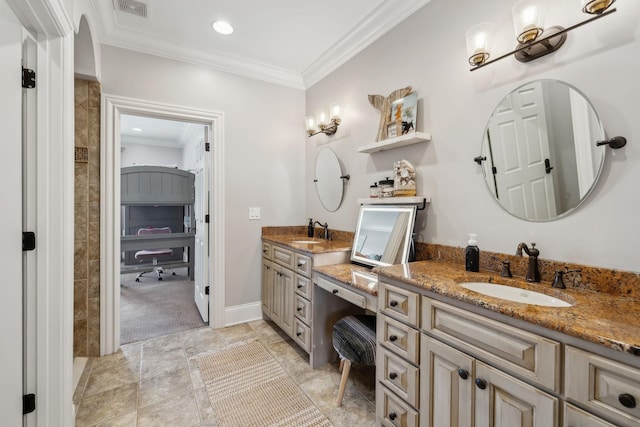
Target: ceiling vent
<point>131,6</point>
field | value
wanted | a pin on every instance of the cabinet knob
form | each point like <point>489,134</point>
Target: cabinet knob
<point>299,308</point>
<point>393,338</point>
<point>627,400</point>
<point>300,264</point>
<point>463,373</point>
<point>299,286</point>
<point>335,291</point>
<point>298,334</point>
<point>393,375</point>
<point>481,384</point>
<point>393,303</point>
<point>392,416</point>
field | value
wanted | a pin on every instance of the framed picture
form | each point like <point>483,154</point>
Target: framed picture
<point>403,115</point>
<point>392,130</point>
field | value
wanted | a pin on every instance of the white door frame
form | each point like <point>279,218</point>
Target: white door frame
<point>112,108</point>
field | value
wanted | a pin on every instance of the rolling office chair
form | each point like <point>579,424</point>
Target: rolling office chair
<point>153,254</point>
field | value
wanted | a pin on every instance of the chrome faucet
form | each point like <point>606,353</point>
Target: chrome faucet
<point>533,274</point>
<point>326,229</point>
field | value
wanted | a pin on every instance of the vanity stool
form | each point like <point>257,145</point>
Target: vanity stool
<point>354,338</point>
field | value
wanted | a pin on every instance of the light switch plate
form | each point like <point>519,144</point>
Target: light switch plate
<point>254,213</point>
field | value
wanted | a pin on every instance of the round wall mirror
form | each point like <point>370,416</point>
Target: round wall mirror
<point>329,183</point>
<point>539,155</point>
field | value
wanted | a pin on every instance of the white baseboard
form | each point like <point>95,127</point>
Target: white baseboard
<point>242,313</point>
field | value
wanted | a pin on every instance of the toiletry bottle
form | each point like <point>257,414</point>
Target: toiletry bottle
<point>472,254</point>
<point>310,228</point>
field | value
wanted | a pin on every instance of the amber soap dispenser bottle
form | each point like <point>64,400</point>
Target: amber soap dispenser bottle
<point>472,254</point>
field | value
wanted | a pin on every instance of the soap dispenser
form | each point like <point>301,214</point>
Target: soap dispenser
<point>310,228</point>
<point>472,254</point>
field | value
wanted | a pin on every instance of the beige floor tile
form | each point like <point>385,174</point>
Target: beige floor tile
<point>158,346</point>
<point>203,340</point>
<point>355,412</point>
<point>181,410</point>
<point>162,362</point>
<point>237,333</point>
<point>106,379</point>
<point>126,420</point>
<point>207,413</point>
<point>164,386</point>
<point>107,405</point>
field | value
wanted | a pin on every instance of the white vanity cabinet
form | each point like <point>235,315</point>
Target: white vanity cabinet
<point>287,291</point>
<point>397,354</point>
<point>460,389</point>
<point>603,386</point>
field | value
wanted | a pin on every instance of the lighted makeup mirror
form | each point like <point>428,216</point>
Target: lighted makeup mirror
<point>383,235</point>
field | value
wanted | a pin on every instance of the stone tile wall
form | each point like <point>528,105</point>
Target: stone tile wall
<point>86,316</point>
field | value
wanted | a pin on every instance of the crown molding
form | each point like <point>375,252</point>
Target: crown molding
<point>371,28</point>
<point>384,18</point>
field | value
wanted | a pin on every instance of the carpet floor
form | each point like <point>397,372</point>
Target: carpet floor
<point>152,308</point>
<point>248,387</point>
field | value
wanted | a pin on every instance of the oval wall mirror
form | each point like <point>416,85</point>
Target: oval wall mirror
<point>539,155</point>
<point>329,179</point>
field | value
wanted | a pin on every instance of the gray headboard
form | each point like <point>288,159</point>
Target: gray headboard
<point>156,185</point>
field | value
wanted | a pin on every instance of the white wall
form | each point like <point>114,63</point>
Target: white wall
<point>428,52</point>
<point>264,148</point>
<point>142,154</point>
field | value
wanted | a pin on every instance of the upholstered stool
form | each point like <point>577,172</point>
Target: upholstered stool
<point>354,338</point>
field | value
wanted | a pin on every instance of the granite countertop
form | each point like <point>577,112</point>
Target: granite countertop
<point>601,318</point>
<point>353,275</point>
<point>322,246</point>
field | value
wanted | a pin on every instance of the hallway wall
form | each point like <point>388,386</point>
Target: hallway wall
<point>86,312</point>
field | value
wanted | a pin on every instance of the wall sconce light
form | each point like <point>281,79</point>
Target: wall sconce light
<point>534,41</point>
<point>326,123</point>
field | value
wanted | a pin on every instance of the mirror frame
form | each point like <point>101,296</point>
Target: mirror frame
<point>597,173</point>
<point>329,182</point>
<point>406,235</point>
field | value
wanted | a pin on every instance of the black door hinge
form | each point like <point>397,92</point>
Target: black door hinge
<point>28,78</point>
<point>207,146</point>
<point>206,290</point>
<point>28,240</point>
<point>206,219</point>
<point>28,403</point>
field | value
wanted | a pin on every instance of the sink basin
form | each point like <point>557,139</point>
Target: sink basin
<point>306,242</point>
<point>515,294</point>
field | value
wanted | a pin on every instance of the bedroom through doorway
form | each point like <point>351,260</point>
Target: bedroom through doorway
<point>163,233</point>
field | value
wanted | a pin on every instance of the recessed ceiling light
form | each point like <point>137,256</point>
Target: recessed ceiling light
<point>136,129</point>
<point>222,27</point>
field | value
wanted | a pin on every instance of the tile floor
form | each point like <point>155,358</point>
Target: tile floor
<point>157,382</point>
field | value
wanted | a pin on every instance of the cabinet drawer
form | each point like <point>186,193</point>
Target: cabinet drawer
<point>303,287</point>
<point>393,411</point>
<point>302,265</point>
<point>283,256</point>
<point>398,303</point>
<point>266,250</point>
<point>576,417</point>
<point>302,335</point>
<point>603,385</point>
<point>398,337</point>
<point>398,375</point>
<point>342,292</point>
<point>531,356</point>
<point>303,309</point>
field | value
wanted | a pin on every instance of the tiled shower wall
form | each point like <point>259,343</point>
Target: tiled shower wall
<point>86,313</point>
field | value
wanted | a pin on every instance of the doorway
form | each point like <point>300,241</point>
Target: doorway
<point>116,112</point>
<point>164,193</point>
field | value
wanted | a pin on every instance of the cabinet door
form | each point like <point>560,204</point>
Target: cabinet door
<point>267,287</point>
<point>446,376</point>
<point>277,294</point>
<point>288,302</point>
<point>503,401</point>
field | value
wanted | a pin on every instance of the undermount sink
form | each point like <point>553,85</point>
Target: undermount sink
<point>511,293</point>
<point>306,242</point>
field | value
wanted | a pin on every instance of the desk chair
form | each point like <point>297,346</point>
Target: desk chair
<point>354,338</point>
<point>153,254</point>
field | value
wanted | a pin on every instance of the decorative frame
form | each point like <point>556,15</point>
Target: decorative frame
<point>403,114</point>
